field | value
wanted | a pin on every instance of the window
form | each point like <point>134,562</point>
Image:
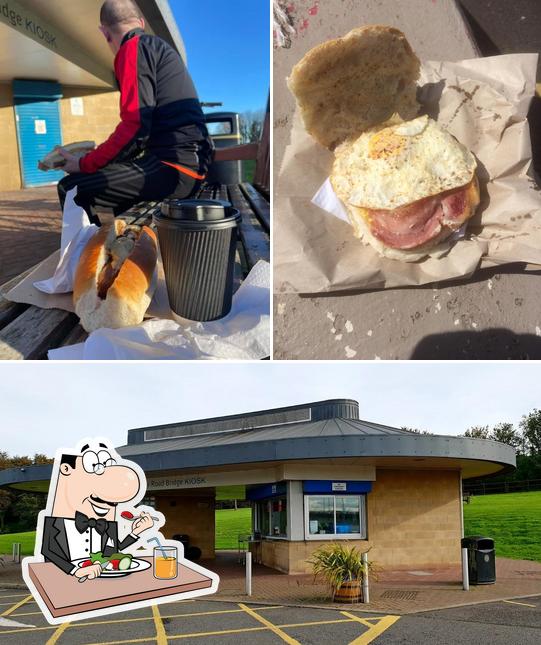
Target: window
<point>331,516</point>
<point>219,127</point>
<point>271,517</point>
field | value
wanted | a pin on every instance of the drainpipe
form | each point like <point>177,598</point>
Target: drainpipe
<point>464,552</point>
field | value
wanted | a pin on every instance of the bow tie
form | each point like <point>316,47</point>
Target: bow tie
<point>83,522</point>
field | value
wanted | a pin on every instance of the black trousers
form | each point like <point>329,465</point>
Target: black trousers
<point>121,185</point>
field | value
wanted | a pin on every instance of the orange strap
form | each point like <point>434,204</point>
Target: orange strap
<point>187,171</point>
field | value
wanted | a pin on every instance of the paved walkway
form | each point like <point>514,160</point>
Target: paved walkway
<point>396,592</point>
<point>30,226</point>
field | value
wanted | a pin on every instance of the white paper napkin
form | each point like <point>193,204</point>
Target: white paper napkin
<point>244,334</point>
<point>76,231</point>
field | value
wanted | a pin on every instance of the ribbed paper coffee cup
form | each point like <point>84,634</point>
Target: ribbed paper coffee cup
<point>198,239</point>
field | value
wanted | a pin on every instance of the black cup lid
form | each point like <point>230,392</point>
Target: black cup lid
<point>197,210</point>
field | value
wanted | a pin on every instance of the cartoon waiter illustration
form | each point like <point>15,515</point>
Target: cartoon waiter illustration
<point>94,531</point>
<point>89,488</point>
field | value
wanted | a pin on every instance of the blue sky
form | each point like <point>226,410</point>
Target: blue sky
<point>51,405</point>
<point>228,49</point>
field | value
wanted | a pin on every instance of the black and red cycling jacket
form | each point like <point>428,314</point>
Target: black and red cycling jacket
<point>159,109</point>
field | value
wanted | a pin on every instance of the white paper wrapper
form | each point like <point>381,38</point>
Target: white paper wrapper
<point>76,232</point>
<point>483,103</point>
<point>244,334</point>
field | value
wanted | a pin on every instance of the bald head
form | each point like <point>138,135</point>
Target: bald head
<point>117,18</point>
<point>115,14</point>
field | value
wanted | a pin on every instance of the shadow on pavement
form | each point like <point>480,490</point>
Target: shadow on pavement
<point>490,344</point>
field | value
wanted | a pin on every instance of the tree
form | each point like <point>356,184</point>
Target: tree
<point>506,433</point>
<point>415,430</point>
<point>251,125</point>
<point>6,499</point>
<point>26,509</point>
<point>478,432</point>
<point>531,432</point>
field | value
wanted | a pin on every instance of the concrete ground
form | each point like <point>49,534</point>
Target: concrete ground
<point>243,623</point>
<point>30,227</point>
<point>396,591</point>
<point>494,315</point>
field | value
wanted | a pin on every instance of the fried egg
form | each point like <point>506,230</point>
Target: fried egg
<point>400,163</point>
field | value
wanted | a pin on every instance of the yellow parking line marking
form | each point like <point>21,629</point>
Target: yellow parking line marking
<point>373,630</point>
<point>285,637</point>
<point>135,640</point>
<point>17,605</point>
<point>525,604</point>
<point>319,622</point>
<point>136,620</point>
<point>57,634</point>
<point>161,637</point>
<point>225,631</point>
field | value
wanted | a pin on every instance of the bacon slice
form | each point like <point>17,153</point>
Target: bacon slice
<point>413,225</point>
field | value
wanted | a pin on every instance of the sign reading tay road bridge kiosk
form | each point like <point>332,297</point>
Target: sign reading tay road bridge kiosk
<point>262,476</point>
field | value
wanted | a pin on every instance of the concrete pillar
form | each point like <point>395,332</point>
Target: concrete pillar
<point>295,511</point>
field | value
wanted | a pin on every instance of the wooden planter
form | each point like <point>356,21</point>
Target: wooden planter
<point>349,592</point>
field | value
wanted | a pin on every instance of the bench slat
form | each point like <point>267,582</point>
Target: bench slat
<point>34,332</point>
<point>10,310</point>
<point>258,203</point>
<point>76,335</point>
<point>254,238</point>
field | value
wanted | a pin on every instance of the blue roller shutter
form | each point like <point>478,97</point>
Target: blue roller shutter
<point>37,113</point>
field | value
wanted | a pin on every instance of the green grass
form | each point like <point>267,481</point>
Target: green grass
<point>26,540</point>
<point>513,520</point>
<point>229,524</point>
<point>248,170</point>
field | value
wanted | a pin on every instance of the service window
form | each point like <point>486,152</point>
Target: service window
<point>272,517</point>
<point>334,516</point>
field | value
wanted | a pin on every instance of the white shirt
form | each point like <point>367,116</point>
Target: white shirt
<point>81,545</point>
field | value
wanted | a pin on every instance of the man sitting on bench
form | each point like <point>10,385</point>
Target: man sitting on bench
<point>161,146</point>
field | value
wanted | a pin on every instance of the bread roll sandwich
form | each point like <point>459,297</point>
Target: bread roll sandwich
<point>114,283</point>
<point>54,160</point>
<point>407,184</point>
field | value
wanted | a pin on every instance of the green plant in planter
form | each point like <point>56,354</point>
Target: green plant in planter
<point>338,563</point>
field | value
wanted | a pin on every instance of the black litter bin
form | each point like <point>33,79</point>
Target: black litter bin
<point>481,559</point>
<point>224,129</point>
<point>183,539</point>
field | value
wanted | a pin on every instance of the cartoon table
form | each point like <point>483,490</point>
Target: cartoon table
<point>64,595</point>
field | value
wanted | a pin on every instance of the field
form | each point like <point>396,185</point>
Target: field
<point>229,523</point>
<point>513,520</point>
<point>26,540</point>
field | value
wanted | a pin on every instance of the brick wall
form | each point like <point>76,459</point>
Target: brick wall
<point>193,516</point>
<point>101,115</point>
<point>10,176</point>
<point>413,521</point>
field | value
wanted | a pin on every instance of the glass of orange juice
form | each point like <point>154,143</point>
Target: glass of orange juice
<point>165,562</point>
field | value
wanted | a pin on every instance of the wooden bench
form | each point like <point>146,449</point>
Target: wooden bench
<point>28,332</point>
